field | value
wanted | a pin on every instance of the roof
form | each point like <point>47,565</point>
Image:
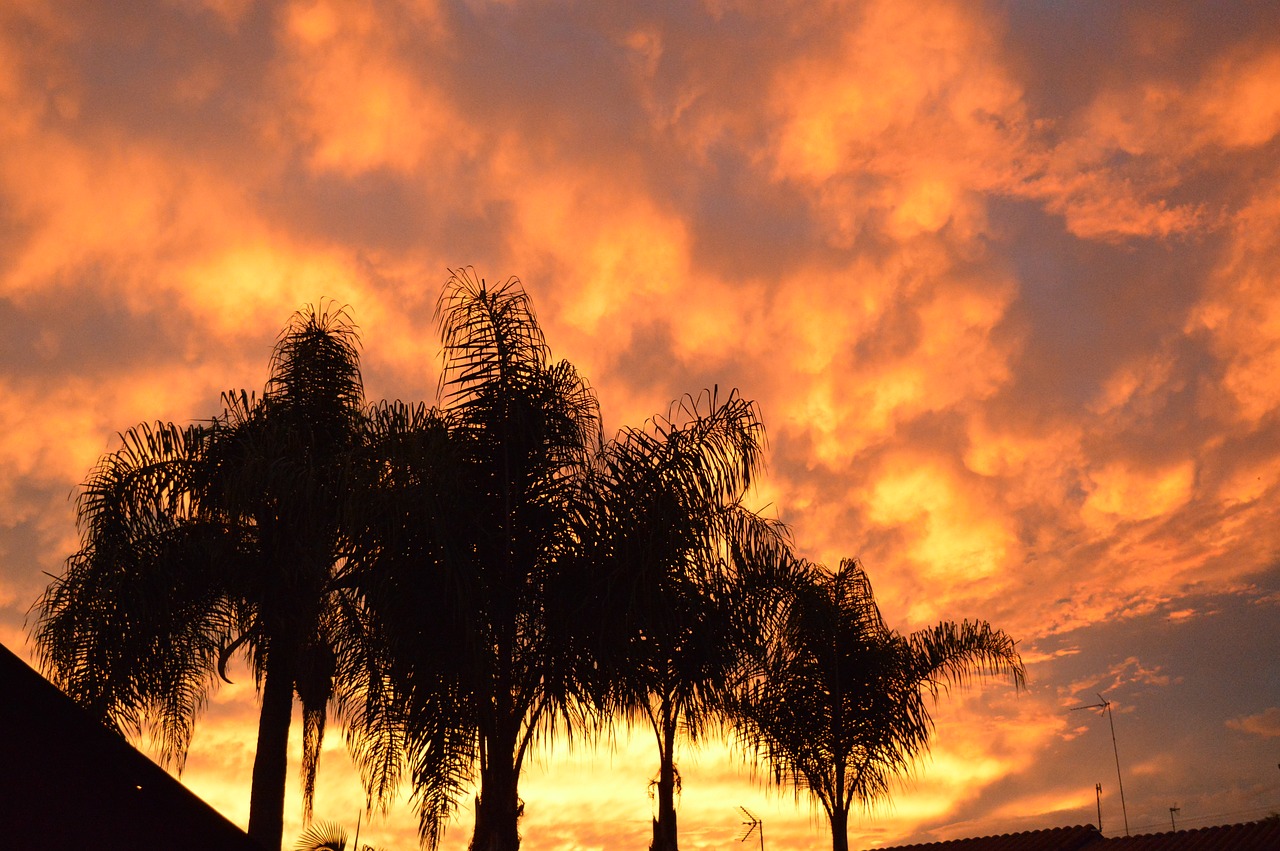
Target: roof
<point>1253,836</point>
<point>1052,839</point>
<point>78,785</point>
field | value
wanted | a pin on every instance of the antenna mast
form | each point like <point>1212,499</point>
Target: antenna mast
<point>1105,707</point>
<point>1097,788</point>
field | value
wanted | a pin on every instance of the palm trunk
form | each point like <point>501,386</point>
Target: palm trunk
<point>498,808</point>
<point>664,826</point>
<point>271,761</point>
<point>840,830</point>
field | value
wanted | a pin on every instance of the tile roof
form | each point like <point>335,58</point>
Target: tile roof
<point>1253,836</point>
<point>1052,839</point>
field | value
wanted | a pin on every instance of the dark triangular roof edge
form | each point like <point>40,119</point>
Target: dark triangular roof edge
<point>77,784</point>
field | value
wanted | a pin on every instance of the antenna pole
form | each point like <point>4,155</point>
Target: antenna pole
<point>1105,706</point>
<point>1116,750</point>
<point>1097,788</point>
<point>1172,810</point>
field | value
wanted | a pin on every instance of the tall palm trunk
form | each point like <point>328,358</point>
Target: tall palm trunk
<point>839,829</point>
<point>664,826</point>
<point>498,807</point>
<point>271,762</point>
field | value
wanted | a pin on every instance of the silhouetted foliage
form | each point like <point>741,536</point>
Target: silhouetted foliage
<point>477,509</point>
<point>225,537</point>
<point>840,710</point>
<point>688,567</point>
<point>457,582</point>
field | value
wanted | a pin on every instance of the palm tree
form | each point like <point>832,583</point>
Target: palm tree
<point>840,710</point>
<point>468,550</point>
<point>204,541</point>
<point>688,565</point>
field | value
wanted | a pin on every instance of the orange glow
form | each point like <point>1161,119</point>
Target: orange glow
<point>1002,279</point>
<point>238,285</point>
<point>358,107</point>
<point>955,539</point>
<point>1139,495</point>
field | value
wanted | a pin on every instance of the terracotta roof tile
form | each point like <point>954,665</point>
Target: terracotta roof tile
<point>1052,839</point>
<point>1255,836</point>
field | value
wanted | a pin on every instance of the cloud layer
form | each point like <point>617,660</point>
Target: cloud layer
<point>1001,277</point>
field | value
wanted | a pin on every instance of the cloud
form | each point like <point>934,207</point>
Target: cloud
<point>1000,277</point>
<point>1265,724</point>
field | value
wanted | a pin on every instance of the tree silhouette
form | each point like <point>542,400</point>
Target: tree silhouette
<point>840,709</point>
<point>201,542</point>
<point>468,547</point>
<point>687,565</point>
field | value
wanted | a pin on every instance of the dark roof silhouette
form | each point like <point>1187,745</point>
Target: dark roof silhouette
<point>1053,839</point>
<point>66,781</point>
<point>1254,836</point>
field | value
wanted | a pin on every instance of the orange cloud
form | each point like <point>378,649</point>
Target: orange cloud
<point>905,73</point>
<point>1241,311</point>
<point>1265,724</point>
<point>1122,493</point>
<point>1012,323</point>
<point>953,533</point>
<point>1230,106</point>
<point>357,104</point>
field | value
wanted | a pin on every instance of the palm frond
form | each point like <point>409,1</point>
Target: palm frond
<point>315,373</point>
<point>133,628</point>
<point>951,654</point>
<point>322,836</point>
<point>490,336</point>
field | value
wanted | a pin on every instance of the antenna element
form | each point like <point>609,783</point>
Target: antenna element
<point>750,827</point>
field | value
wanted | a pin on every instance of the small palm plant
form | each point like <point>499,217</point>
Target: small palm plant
<point>329,836</point>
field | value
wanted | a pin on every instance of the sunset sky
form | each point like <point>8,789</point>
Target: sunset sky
<point>1003,277</point>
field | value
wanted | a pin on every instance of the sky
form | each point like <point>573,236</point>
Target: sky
<point>1003,277</point>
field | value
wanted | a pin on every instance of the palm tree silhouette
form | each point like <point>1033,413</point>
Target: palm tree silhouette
<point>840,708</point>
<point>681,609</point>
<point>468,550</point>
<point>225,537</point>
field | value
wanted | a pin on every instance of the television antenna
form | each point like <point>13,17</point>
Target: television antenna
<point>750,826</point>
<point>1105,707</point>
